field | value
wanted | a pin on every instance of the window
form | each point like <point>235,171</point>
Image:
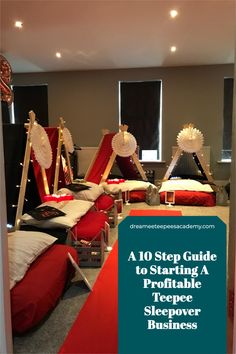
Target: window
<point>29,98</point>
<point>227,114</point>
<point>140,108</point>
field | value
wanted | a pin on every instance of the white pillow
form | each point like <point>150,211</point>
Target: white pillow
<point>74,210</point>
<point>184,185</point>
<point>130,185</point>
<point>65,191</point>
<point>23,248</point>
<point>90,194</point>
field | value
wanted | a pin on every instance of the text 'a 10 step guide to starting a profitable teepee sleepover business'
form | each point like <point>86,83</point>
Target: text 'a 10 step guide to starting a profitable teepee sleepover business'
<point>172,285</point>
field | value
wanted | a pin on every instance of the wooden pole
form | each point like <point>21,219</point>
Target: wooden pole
<point>104,132</point>
<point>58,157</point>
<point>139,167</point>
<point>24,175</point>
<point>172,164</point>
<point>202,161</point>
<point>67,153</point>
<point>109,166</point>
<point>45,181</point>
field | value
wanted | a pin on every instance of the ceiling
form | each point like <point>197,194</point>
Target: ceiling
<point>98,34</point>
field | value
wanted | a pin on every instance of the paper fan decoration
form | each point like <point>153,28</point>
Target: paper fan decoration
<point>41,146</point>
<point>190,139</point>
<point>124,144</point>
<point>68,141</point>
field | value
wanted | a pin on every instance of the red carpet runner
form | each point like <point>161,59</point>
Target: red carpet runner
<point>95,331</point>
<point>154,212</point>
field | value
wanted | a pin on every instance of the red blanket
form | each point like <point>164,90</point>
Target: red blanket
<point>40,289</point>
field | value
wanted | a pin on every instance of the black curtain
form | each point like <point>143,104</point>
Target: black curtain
<point>140,110</point>
<point>14,139</point>
<point>5,113</point>
<point>228,113</point>
<point>31,98</point>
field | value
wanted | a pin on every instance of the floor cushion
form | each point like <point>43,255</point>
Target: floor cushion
<point>89,226</point>
<point>104,202</point>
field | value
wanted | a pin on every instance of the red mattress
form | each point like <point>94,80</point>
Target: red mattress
<point>137,196</point>
<point>40,289</point>
<point>192,198</point>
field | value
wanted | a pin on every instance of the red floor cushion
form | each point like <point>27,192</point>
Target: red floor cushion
<point>89,226</point>
<point>104,202</point>
<point>192,198</point>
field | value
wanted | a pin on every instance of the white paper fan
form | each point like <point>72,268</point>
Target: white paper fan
<point>124,144</point>
<point>190,139</point>
<point>68,141</point>
<point>41,146</point>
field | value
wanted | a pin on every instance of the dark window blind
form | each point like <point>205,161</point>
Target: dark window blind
<point>31,98</point>
<point>228,112</point>
<point>140,110</point>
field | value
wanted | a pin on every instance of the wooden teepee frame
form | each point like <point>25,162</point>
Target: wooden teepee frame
<point>123,128</point>
<point>201,160</point>
<point>23,184</point>
<point>58,157</point>
<point>25,170</point>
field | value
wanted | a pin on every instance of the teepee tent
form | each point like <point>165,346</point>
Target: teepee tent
<point>37,140</point>
<point>190,140</point>
<point>115,146</point>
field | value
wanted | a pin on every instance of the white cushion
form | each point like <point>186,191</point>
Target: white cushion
<point>90,194</point>
<point>23,248</point>
<point>130,185</point>
<point>184,185</point>
<point>74,210</point>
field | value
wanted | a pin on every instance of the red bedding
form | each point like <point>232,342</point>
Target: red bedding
<point>137,196</point>
<point>40,289</point>
<point>192,198</point>
<point>104,202</point>
<point>89,226</point>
